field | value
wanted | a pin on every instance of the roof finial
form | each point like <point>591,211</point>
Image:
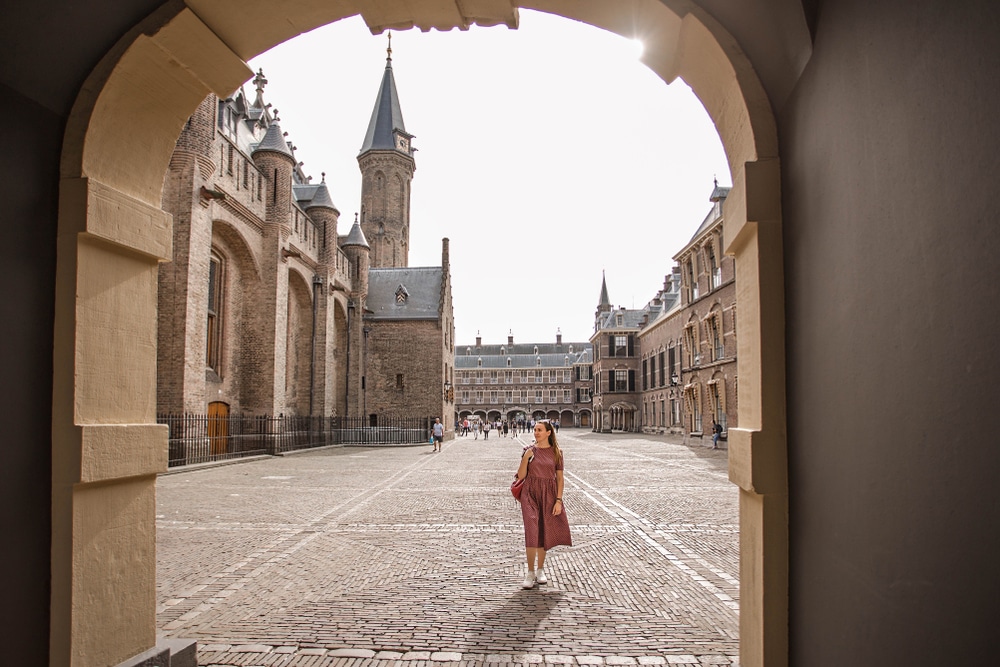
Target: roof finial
<point>388,51</point>
<point>324,176</point>
<point>259,82</point>
<point>355,217</point>
<point>716,179</point>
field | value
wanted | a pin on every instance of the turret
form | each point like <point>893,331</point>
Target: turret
<point>387,167</point>
<point>356,247</point>
<point>275,160</point>
<point>324,213</point>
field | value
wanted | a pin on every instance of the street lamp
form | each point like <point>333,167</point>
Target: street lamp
<point>447,389</point>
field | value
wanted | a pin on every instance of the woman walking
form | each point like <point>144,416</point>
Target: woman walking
<point>545,522</point>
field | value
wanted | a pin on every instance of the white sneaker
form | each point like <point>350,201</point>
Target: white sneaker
<point>529,580</point>
<point>540,577</point>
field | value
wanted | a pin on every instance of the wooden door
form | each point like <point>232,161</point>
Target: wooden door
<point>218,427</point>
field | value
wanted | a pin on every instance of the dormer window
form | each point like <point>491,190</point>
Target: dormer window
<point>538,361</point>
<point>503,350</point>
<point>479,362</point>
<point>468,351</point>
<point>508,362</point>
<point>401,295</point>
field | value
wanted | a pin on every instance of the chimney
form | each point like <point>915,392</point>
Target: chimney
<point>479,340</point>
<point>510,337</point>
<point>558,337</point>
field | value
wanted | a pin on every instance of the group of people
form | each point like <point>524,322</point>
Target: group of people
<point>542,508</point>
<point>503,427</point>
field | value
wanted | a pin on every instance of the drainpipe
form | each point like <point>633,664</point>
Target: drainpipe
<point>347,380</point>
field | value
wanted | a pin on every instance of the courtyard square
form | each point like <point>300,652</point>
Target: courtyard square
<point>405,556</point>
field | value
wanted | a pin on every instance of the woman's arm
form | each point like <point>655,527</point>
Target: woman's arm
<point>557,508</point>
<point>522,470</point>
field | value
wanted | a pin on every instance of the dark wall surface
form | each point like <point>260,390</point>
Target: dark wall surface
<point>27,281</point>
<point>47,48</point>
<point>890,154</point>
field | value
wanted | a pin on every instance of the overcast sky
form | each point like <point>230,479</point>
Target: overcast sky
<point>547,154</point>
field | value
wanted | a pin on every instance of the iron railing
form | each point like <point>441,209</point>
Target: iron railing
<point>198,438</point>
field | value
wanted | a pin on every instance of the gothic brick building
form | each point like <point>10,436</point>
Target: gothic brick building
<point>670,366</point>
<point>266,308</point>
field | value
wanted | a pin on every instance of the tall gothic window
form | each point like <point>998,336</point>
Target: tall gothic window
<point>213,341</point>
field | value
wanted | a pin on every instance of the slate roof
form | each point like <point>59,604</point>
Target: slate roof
<point>274,141</point>
<point>355,236</point>
<point>631,319</point>
<point>423,293</point>
<point>718,198</point>
<point>522,355</point>
<point>313,196</point>
<point>386,116</point>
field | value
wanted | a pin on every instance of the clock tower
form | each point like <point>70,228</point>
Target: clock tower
<point>387,166</point>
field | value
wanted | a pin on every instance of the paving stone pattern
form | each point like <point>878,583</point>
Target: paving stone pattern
<point>401,556</point>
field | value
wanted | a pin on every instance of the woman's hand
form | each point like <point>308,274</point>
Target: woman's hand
<point>558,507</point>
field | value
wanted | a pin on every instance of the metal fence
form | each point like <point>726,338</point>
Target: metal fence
<point>200,438</point>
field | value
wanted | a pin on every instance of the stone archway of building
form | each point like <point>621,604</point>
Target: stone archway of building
<point>107,448</point>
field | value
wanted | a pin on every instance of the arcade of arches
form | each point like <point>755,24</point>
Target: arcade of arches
<point>113,234</point>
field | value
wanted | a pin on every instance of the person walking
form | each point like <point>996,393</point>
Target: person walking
<point>716,433</point>
<point>545,522</point>
<point>438,434</point>
<point>486,430</point>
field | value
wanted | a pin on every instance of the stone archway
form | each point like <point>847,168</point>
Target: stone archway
<point>107,448</point>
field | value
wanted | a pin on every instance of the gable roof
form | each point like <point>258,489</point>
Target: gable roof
<point>422,286</point>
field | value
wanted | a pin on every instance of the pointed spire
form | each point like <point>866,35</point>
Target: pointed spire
<point>605,301</point>
<point>356,236</point>
<point>387,117</point>
<point>321,198</point>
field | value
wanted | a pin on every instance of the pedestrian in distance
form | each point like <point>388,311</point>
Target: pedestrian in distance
<point>486,430</point>
<point>716,433</point>
<point>545,522</point>
<point>438,434</point>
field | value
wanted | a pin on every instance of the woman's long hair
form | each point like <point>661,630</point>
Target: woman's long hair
<point>552,441</point>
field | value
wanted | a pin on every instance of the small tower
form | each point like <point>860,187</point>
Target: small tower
<point>387,167</point>
<point>276,161</point>
<point>323,211</point>
<point>604,304</point>
<point>356,247</point>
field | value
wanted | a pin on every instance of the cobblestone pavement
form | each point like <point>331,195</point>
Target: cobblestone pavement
<point>404,557</point>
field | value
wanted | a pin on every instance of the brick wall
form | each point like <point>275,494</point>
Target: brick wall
<point>412,350</point>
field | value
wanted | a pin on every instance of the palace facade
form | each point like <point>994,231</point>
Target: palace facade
<point>525,381</point>
<point>267,307</point>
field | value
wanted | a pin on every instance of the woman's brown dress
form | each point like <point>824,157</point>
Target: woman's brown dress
<point>538,497</point>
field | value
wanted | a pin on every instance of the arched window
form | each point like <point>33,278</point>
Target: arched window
<point>213,341</point>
